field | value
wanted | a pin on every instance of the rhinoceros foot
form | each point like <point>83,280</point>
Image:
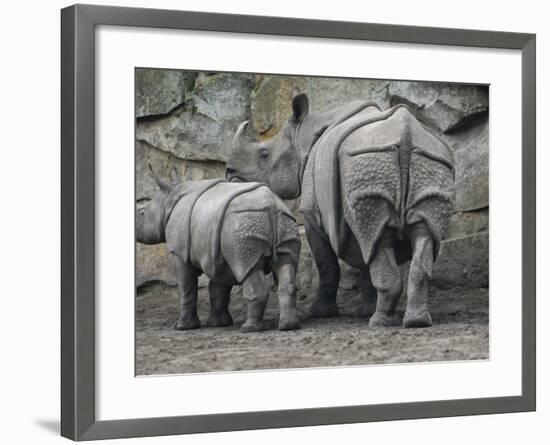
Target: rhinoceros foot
<point>421,319</point>
<point>289,324</point>
<point>366,310</point>
<point>252,326</point>
<point>188,322</point>
<point>322,309</point>
<point>383,320</point>
<point>218,320</point>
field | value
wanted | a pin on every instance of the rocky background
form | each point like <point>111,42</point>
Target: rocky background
<point>188,119</point>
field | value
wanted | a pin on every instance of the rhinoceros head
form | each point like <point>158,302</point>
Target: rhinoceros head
<point>150,217</point>
<point>275,161</point>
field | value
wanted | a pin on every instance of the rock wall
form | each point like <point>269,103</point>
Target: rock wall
<point>188,119</point>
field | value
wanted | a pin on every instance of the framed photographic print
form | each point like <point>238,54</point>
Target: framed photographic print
<point>274,212</point>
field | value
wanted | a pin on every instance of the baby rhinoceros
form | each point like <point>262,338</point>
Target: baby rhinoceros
<point>234,233</point>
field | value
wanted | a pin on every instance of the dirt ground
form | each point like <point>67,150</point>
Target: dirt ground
<point>460,332</point>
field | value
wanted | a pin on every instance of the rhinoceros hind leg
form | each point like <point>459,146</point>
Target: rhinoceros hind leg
<point>256,293</point>
<point>252,326</point>
<point>219,303</point>
<point>324,305</point>
<point>187,277</point>
<point>367,304</point>
<point>386,278</point>
<point>285,272</point>
<point>187,322</point>
<point>417,314</point>
<point>384,320</point>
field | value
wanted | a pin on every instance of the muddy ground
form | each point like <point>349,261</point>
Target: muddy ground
<point>460,332</point>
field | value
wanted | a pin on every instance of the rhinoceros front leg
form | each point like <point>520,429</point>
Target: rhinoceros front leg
<point>219,303</point>
<point>286,277</point>
<point>187,278</point>
<point>417,314</point>
<point>256,293</point>
<point>367,304</point>
<point>326,260</point>
<point>386,277</point>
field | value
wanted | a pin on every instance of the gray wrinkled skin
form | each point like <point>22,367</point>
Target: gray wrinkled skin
<point>235,234</point>
<point>376,190</point>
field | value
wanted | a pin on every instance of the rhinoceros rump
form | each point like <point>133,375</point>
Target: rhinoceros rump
<point>377,190</point>
<point>234,233</point>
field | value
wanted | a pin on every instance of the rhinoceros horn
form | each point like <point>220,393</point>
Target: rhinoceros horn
<point>161,182</point>
<point>239,135</point>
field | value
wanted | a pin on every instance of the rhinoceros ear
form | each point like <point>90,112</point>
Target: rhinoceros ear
<point>300,104</point>
<point>160,181</point>
<point>174,178</point>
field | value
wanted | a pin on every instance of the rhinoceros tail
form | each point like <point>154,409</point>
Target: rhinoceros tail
<point>404,159</point>
<point>274,219</point>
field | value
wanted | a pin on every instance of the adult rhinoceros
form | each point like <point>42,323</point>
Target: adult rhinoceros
<point>234,233</point>
<point>376,190</point>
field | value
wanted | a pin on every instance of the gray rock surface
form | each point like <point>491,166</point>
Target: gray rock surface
<point>444,107</point>
<point>472,169</point>
<point>463,262</point>
<point>271,105</point>
<point>162,162</point>
<point>203,127</point>
<point>465,223</point>
<point>153,265</point>
<point>160,91</point>
<point>188,119</point>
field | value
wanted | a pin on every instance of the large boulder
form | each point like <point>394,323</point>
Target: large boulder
<point>471,153</point>
<point>463,262</point>
<point>203,127</point>
<point>446,107</point>
<point>271,100</point>
<point>153,265</point>
<point>468,223</point>
<point>163,162</point>
<point>160,91</point>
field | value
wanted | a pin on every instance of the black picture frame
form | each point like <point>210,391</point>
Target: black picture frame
<point>78,23</point>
